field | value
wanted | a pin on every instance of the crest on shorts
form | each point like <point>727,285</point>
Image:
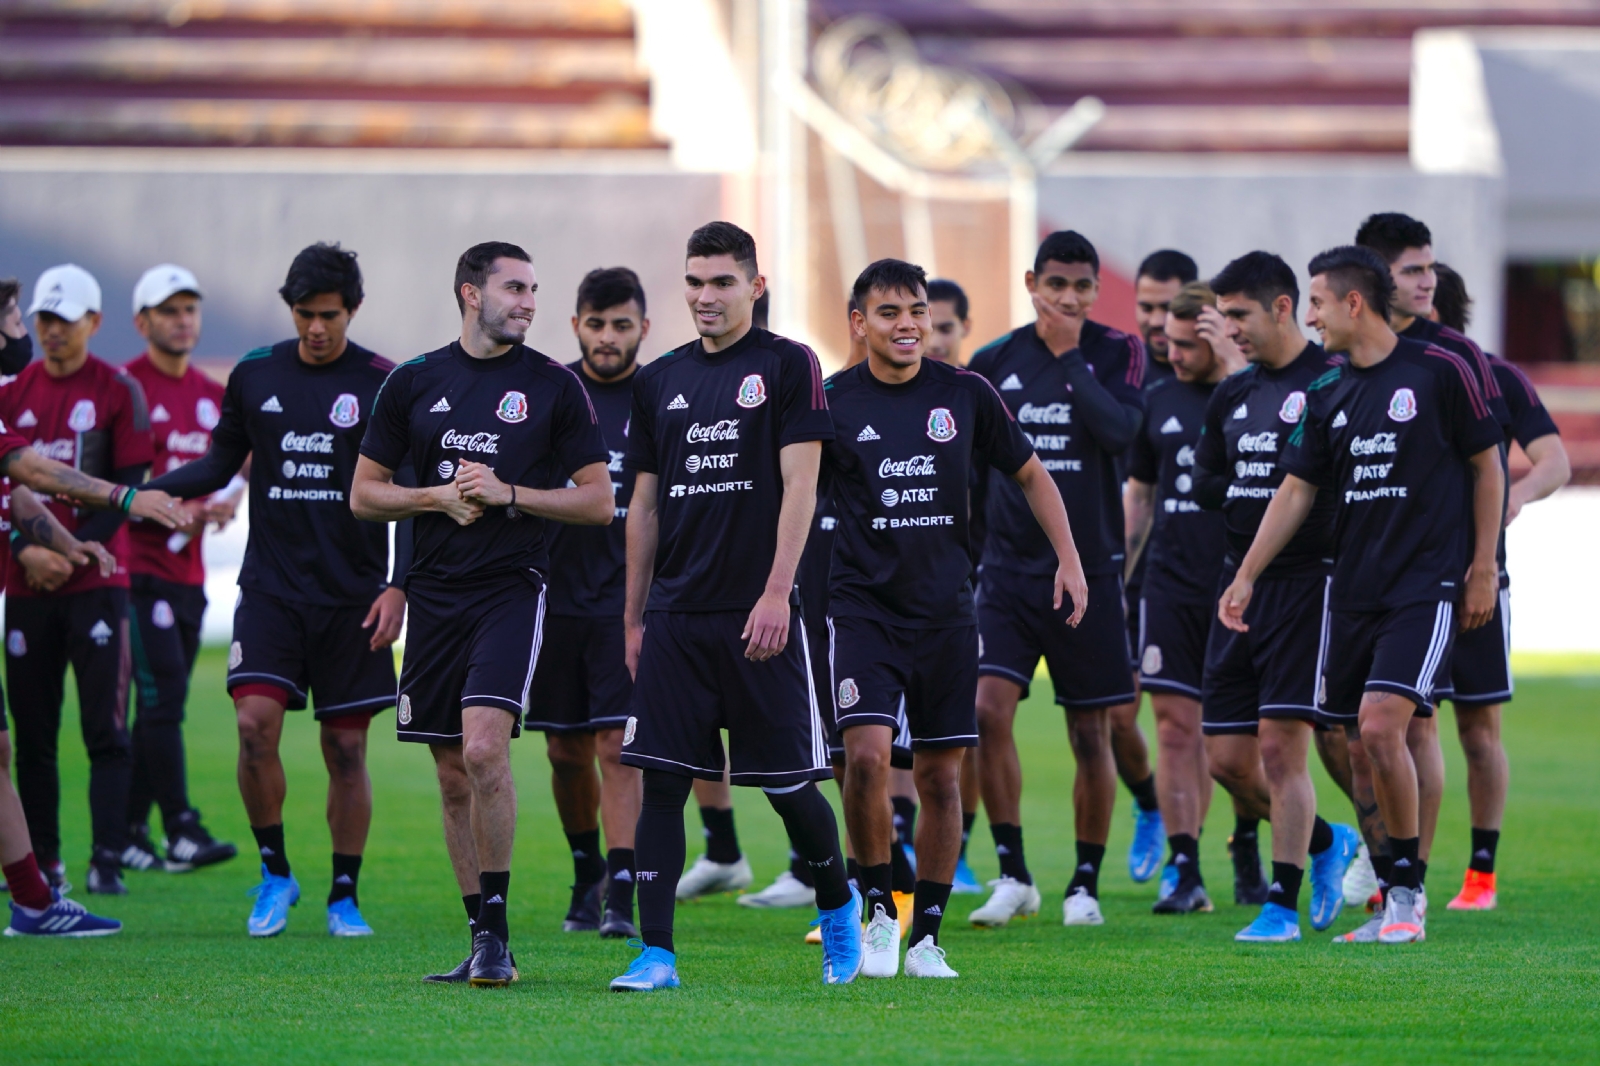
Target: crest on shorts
<point>752,391</point>
<point>161,615</point>
<point>1403,405</point>
<point>941,425</point>
<point>1151,664</point>
<point>629,730</point>
<point>1294,405</point>
<point>849,694</point>
<point>82,418</point>
<point>235,655</point>
<point>1322,691</point>
<point>206,413</point>
<point>346,410</point>
<point>404,713</point>
<point>513,407</point>
<point>16,643</point>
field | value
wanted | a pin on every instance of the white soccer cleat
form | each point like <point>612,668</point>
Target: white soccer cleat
<point>1080,908</point>
<point>1010,899</point>
<point>1360,881</point>
<point>1401,925</point>
<point>706,878</point>
<point>881,945</point>
<point>786,891</point>
<point>927,960</point>
<point>1421,910</point>
<point>1365,933</point>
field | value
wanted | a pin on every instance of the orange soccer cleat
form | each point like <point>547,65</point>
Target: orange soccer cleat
<point>1375,902</point>
<point>1477,893</point>
<point>904,902</point>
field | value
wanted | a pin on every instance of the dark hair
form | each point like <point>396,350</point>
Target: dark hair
<point>1168,265</point>
<point>1066,246</point>
<point>1389,233</point>
<point>888,275</point>
<point>723,238</point>
<point>1259,276</point>
<point>610,287</point>
<point>9,288</point>
<point>477,263</point>
<point>1450,298</point>
<point>321,268</point>
<point>948,291</point>
<point>850,306</point>
<point>1353,267</point>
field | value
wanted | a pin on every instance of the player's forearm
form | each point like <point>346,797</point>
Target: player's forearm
<point>1288,509</point>
<point>35,524</point>
<point>588,503</point>
<point>101,527</point>
<point>207,474</point>
<point>27,467</point>
<point>1044,500</point>
<point>373,500</point>
<point>1488,497</point>
<point>1112,423</point>
<point>644,533</point>
<point>1551,470</point>
<point>801,464</point>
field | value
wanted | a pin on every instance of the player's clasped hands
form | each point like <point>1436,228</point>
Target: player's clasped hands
<point>477,482</point>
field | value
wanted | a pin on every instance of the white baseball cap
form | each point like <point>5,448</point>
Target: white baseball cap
<point>161,282</point>
<point>67,291</point>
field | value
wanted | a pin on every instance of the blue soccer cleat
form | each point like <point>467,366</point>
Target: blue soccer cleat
<point>1274,925</point>
<point>1169,882</point>
<point>841,941</point>
<point>655,968</point>
<point>1149,839</point>
<point>64,917</point>
<point>965,882</point>
<point>1327,876</point>
<point>274,896</point>
<point>344,919</point>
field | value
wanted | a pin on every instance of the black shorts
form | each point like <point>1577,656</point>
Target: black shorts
<point>1480,669</point>
<point>581,684</point>
<point>694,681</point>
<point>924,680</point>
<point>1405,651</point>
<point>310,652</point>
<point>1272,670</point>
<point>477,648</point>
<point>1090,666</point>
<point>167,618</point>
<point>1172,645</point>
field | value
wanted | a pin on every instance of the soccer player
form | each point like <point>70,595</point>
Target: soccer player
<point>902,626</point>
<point>1261,683</point>
<point>726,441</point>
<point>16,346</point>
<point>167,597</point>
<point>949,320</point>
<point>583,683</point>
<point>316,614</point>
<point>1074,386</point>
<point>1398,434</point>
<point>484,420</point>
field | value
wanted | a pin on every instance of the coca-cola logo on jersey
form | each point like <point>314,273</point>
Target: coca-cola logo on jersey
<point>62,451</point>
<point>1056,414</point>
<point>916,466</point>
<point>1377,444</point>
<point>727,429</point>
<point>1265,441</point>
<point>194,443</point>
<point>487,443</point>
<point>307,442</point>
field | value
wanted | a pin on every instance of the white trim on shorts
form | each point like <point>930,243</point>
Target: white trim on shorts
<point>1444,616</point>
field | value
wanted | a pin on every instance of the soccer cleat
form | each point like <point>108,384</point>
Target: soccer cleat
<point>905,903</point>
<point>1144,854</point>
<point>64,917</point>
<point>1477,893</point>
<point>1169,882</point>
<point>105,874</point>
<point>1400,922</point>
<point>706,878</point>
<point>617,925</point>
<point>140,854</point>
<point>463,971</point>
<point>814,935</point>
<point>491,962</point>
<point>926,959</point>
<point>1360,880</point>
<point>1274,925</point>
<point>190,847</point>
<point>881,945</point>
<point>1249,883</point>
<point>274,896</point>
<point>344,919</point>
<point>1191,900</point>
<point>1365,933</point>
<point>787,891</point>
<point>1328,869</point>
<point>583,914</point>
<point>655,968</point>
<point>841,941</point>
<point>965,882</point>
<point>1080,908</point>
<point>1010,899</point>
<point>1421,909</point>
<point>1375,902</point>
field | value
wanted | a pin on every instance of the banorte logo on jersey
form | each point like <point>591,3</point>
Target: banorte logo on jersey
<point>941,425</point>
<point>1294,405</point>
<point>1403,405</point>
<point>752,392</point>
<point>513,408</point>
<point>346,410</point>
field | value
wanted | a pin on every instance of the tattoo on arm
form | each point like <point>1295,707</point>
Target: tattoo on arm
<point>39,530</point>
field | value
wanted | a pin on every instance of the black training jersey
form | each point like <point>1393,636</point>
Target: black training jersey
<point>1186,543</point>
<point>588,564</point>
<point>1248,423</point>
<point>899,467</point>
<point>710,426</point>
<point>522,413</point>
<point>1427,331</point>
<point>816,562</point>
<point>1033,384</point>
<point>1530,420</point>
<point>1391,442</point>
<point>303,426</point>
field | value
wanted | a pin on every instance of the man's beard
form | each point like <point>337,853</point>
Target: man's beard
<point>500,331</point>
<point>606,373</point>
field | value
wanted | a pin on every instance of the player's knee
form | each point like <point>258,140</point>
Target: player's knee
<point>344,752</point>
<point>484,756</point>
<point>1087,733</point>
<point>608,747</point>
<point>666,791</point>
<point>569,754</point>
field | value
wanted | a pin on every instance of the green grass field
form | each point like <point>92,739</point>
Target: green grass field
<point>184,984</point>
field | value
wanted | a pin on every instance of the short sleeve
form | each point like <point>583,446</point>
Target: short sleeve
<point>578,441</point>
<point>1471,426</point>
<point>9,441</point>
<point>388,438</point>
<point>1144,463</point>
<point>804,414</point>
<point>999,439</point>
<point>641,455</point>
<point>1306,455</point>
<point>1530,419</point>
<point>131,440</point>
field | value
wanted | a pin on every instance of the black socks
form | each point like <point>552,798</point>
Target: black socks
<point>1008,847</point>
<point>799,870</point>
<point>619,890</point>
<point>472,905</point>
<point>931,900</point>
<point>1285,890</point>
<point>722,842</point>
<point>269,839</point>
<point>967,818</point>
<point>905,820</point>
<point>876,887</point>
<point>494,885</point>
<point>1321,836</point>
<point>1144,794</point>
<point>346,871</point>
<point>1407,871</point>
<point>905,879</point>
<point>1484,844</point>
<point>658,851</point>
<point>1185,858</point>
<point>814,832</point>
<point>1087,874</point>
<point>588,866</point>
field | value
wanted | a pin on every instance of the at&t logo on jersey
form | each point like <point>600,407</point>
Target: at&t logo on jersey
<point>696,463</point>
<point>206,413</point>
<point>447,470</point>
<point>346,410</point>
<point>1294,405</point>
<point>752,392</point>
<point>1403,405</point>
<point>82,418</point>
<point>941,425</point>
<point>849,694</point>
<point>513,407</point>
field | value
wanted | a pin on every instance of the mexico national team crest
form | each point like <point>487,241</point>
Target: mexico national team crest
<point>1151,664</point>
<point>1294,405</point>
<point>849,694</point>
<point>630,730</point>
<point>1403,405</point>
<point>206,413</point>
<point>513,407</point>
<point>82,418</point>
<point>404,713</point>
<point>346,411</point>
<point>752,391</point>
<point>941,425</point>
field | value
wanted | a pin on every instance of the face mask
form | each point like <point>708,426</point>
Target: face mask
<point>18,351</point>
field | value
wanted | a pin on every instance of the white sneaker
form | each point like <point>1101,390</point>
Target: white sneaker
<point>1400,924</point>
<point>880,946</point>
<point>927,960</point>
<point>1080,908</point>
<point>1010,899</point>
<point>786,891</point>
<point>1365,933</point>
<point>1360,881</point>
<point>706,877</point>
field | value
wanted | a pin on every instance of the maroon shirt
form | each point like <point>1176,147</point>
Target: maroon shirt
<point>9,442</point>
<point>95,420</point>
<point>183,412</point>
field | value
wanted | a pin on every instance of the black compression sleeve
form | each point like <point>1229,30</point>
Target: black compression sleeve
<point>1112,423</point>
<point>1210,488</point>
<point>101,525</point>
<point>205,475</point>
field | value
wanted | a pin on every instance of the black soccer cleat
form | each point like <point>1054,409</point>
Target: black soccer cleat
<point>463,971</point>
<point>1249,884</point>
<point>491,965</point>
<point>617,926</point>
<point>141,852</point>
<point>190,847</point>
<point>583,916</point>
<point>1185,899</point>
<point>105,874</point>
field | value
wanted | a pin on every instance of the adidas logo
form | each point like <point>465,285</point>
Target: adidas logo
<point>27,418</point>
<point>678,403</point>
<point>273,405</point>
<point>935,910</point>
<point>343,879</point>
<point>1241,412</point>
<point>183,849</point>
<point>1001,849</point>
<point>1275,888</point>
<point>159,414</point>
<point>100,633</point>
<point>1180,860</point>
<point>63,923</point>
<point>1011,382</point>
<point>868,434</point>
<point>496,898</point>
<point>267,852</point>
<point>1172,425</point>
<point>874,892</point>
<point>440,408</point>
<point>622,875</point>
<point>578,853</point>
<point>1398,863</point>
<point>1481,853</point>
<point>1339,420</point>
